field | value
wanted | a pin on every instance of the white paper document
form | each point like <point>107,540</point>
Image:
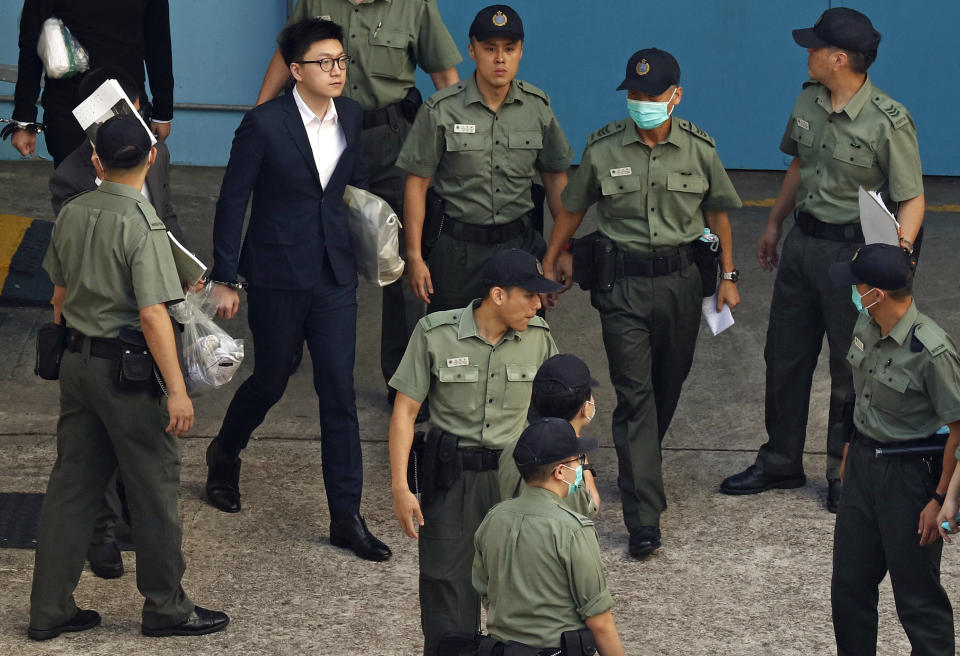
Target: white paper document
<point>878,224</point>
<point>718,321</point>
<point>107,101</point>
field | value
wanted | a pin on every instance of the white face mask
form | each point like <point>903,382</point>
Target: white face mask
<point>594,405</point>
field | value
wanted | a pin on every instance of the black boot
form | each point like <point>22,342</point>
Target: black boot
<point>223,479</point>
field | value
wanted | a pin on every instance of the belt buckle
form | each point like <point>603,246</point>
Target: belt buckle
<point>495,235</point>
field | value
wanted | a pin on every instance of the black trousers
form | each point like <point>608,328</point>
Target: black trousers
<point>281,320</point>
<point>62,134</point>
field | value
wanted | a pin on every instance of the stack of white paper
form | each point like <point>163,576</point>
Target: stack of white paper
<point>878,224</point>
<point>107,101</point>
<point>718,321</point>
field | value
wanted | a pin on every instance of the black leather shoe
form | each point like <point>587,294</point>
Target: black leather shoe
<point>352,533</point>
<point>200,622</point>
<point>105,560</point>
<point>644,540</point>
<point>834,487</point>
<point>223,479</point>
<point>81,621</point>
<point>754,480</point>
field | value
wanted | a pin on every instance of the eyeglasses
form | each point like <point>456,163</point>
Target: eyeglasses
<point>326,65</point>
<point>582,459</point>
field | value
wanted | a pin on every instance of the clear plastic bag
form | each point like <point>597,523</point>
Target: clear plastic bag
<point>210,356</point>
<point>374,233</point>
<point>61,53</point>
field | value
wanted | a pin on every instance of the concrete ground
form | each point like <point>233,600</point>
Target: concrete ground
<point>735,575</point>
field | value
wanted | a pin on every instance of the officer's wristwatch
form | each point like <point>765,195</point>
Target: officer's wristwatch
<point>732,276</point>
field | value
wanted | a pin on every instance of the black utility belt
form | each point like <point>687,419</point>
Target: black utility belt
<point>651,266</point>
<point>478,458</point>
<point>437,461</point>
<point>924,446</point>
<point>100,347</point>
<point>484,234</point>
<point>814,227</point>
<point>406,108</point>
<point>136,370</point>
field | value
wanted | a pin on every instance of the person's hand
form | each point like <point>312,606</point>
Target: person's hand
<point>420,281</point>
<point>162,130</point>
<point>928,528</point>
<point>948,513</point>
<point>767,254</point>
<point>180,409</point>
<point>592,490</point>
<point>188,288</point>
<point>727,293</point>
<point>227,299</point>
<point>25,141</point>
<point>407,509</point>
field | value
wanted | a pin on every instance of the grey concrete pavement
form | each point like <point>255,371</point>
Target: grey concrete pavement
<point>735,576</point>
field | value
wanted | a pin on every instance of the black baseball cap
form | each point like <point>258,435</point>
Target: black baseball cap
<point>513,267</point>
<point>122,142</point>
<point>879,265</point>
<point>564,370</point>
<point>494,21</point>
<point>840,27</point>
<point>652,71</point>
<point>550,440</point>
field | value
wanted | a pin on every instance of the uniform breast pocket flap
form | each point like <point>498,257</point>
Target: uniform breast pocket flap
<point>519,385</point>
<point>890,393</point>
<point>802,136</point>
<point>620,185</point>
<point>465,374</point>
<point>387,57</point>
<point>526,139</point>
<point>459,142</point>
<point>691,183</point>
<point>856,154</point>
<point>855,356</point>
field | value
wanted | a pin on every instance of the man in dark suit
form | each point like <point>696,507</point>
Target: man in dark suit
<point>295,154</point>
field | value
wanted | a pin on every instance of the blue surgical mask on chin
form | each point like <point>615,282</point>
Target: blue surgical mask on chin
<point>648,114</point>
<point>857,298</point>
<point>577,482</point>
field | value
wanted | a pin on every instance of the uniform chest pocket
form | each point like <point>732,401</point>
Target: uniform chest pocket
<point>853,153</point>
<point>802,136</point>
<point>459,386</point>
<point>526,139</point>
<point>465,153</point>
<point>855,356</point>
<point>685,191</point>
<point>388,55</point>
<point>622,196</point>
<point>523,146</point>
<point>519,385</point>
<point>891,391</point>
<point>689,183</point>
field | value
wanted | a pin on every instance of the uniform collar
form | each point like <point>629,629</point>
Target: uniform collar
<point>117,189</point>
<point>903,327</point>
<point>471,92</point>
<point>537,492</point>
<point>308,114</point>
<point>630,134</point>
<point>467,327</point>
<point>855,104</point>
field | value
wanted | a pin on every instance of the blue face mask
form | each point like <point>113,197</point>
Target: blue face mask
<point>647,114</point>
<point>858,300</point>
<point>577,482</point>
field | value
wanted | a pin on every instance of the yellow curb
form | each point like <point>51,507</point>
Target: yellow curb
<point>12,229</point>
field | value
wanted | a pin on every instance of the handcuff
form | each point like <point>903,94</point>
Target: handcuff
<point>14,125</point>
<point>236,285</point>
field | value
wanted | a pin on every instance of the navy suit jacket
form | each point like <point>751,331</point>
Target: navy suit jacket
<point>294,222</point>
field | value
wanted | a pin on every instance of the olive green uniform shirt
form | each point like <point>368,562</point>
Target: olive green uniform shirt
<point>537,568</point>
<point>483,162</point>
<point>111,251</point>
<point>870,143</point>
<point>650,199</point>
<point>907,383</point>
<point>386,40</point>
<point>478,391</point>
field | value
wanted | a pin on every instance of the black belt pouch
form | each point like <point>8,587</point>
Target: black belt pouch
<point>578,643</point>
<point>594,262</point>
<point>708,263</point>
<point>415,463</point>
<point>51,343</point>
<point>136,363</point>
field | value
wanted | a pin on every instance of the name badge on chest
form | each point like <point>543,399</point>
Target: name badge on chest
<point>458,362</point>
<point>323,17</point>
<point>624,170</point>
<point>858,343</point>
<point>802,124</point>
<point>464,128</point>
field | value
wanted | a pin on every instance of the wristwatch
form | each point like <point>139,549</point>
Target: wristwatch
<point>589,468</point>
<point>732,276</point>
<point>939,498</point>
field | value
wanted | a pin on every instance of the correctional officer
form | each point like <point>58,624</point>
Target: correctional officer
<point>476,366</point>
<point>537,565</point>
<point>112,268</point>
<point>480,143</point>
<point>906,375</point>
<point>843,133</point>
<point>386,41</point>
<point>659,183</point>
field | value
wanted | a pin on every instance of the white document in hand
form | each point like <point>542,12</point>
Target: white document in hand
<point>107,101</point>
<point>878,224</point>
<point>718,321</point>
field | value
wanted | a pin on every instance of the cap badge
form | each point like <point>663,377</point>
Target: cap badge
<point>499,19</point>
<point>643,67</point>
<point>539,268</point>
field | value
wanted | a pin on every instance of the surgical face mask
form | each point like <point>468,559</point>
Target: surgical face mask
<point>577,482</point>
<point>648,114</point>
<point>858,300</point>
<point>594,405</point>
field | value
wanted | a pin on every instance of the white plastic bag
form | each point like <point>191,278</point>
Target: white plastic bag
<point>210,356</point>
<point>60,52</point>
<point>374,233</point>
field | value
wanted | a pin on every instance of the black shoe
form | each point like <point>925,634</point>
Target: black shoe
<point>834,488</point>
<point>223,479</point>
<point>644,540</point>
<point>352,533</point>
<point>105,560</point>
<point>200,622</point>
<point>81,621</point>
<point>754,480</point>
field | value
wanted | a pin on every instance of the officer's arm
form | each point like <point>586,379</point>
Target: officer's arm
<point>951,503</point>
<point>928,528</point>
<point>605,635</point>
<point>910,216</point>
<point>273,80</point>
<point>405,505</point>
<point>565,224</point>
<point>554,184</point>
<point>782,207</point>
<point>59,296</point>
<point>444,78</point>
<point>719,224</point>
<point>158,331</point>
<point>414,212</point>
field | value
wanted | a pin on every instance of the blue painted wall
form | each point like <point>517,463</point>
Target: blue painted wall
<point>741,69</point>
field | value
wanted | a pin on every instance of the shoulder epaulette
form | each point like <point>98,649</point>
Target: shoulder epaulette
<point>539,322</point>
<point>894,111</point>
<point>613,127</point>
<point>150,215</point>
<point>445,92</point>
<point>697,132</point>
<point>584,521</point>
<point>931,336</point>
<point>442,318</point>
<point>536,91</point>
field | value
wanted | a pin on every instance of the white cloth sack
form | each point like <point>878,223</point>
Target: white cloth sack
<point>210,356</point>
<point>61,54</point>
<point>374,233</point>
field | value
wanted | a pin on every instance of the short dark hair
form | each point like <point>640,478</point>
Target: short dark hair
<point>904,292</point>
<point>551,399</point>
<point>859,61</point>
<point>295,40</point>
<point>537,473</point>
<point>93,79</point>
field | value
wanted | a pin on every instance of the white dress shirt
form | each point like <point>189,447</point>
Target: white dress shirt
<point>325,136</point>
